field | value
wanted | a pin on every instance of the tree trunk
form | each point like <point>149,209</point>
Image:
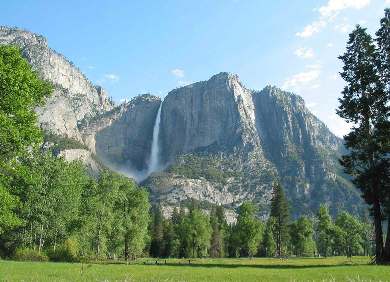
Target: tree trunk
<point>126,248</point>
<point>387,244</point>
<point>378,231</point>
<point>40,239</point>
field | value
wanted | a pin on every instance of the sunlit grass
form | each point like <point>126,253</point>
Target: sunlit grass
<point>258,269</point>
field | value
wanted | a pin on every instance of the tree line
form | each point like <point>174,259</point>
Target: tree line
<point>190,232</point>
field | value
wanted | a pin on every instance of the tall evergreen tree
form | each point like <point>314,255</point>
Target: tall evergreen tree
<point>364,104</point>
<point>218,237</point>
<point>383,127</point>
<point>157,233</point>
<point>279,210</point>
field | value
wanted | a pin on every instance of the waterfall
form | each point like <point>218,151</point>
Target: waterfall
<point>154,163</point>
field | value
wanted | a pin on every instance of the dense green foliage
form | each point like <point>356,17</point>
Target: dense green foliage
<point>191,233</point>
<point>366,105</point>
<point>50,208</point>
<point>20,92</point>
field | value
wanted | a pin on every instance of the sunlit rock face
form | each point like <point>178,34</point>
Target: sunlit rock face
<point>218,142</point>
<point>75,98</point>
<point>223,144</point>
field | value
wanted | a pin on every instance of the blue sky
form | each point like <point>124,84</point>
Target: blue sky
<point>134,47</point>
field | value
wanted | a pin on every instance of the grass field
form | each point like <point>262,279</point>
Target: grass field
<point>259,269</point>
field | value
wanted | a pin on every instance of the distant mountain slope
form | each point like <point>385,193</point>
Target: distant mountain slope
<point>219,142</point>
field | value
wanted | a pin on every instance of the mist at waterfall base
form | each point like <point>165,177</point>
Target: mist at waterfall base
<point>154,160</point>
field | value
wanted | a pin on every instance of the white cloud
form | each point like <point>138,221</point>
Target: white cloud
<point>305,53</point>
<point>333,7</point>
<point>307,78</point>
<point>329,12</point>
<point>329,45</point>
<point>178,72</point>
<point>111,77</point>
<point>387,1</point>
<point>311,29</point>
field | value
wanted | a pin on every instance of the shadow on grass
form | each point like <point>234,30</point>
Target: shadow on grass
<point>276,265</point>
<point>261,266</point>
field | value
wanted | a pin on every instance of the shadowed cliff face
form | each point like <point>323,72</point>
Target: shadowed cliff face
<point>127,141</point>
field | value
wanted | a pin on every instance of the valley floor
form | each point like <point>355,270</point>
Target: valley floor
<point>259,269</point>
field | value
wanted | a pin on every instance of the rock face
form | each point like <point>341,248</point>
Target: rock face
<point>75,98</point>
<point>122,137</point>
<point>219,142</point>
<point>224,144</point>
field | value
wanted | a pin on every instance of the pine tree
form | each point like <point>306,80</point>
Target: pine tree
<point>364,104</point>
<point>157,244</point>
<point>383,42</point>
<point>219,226</point>
<point>279,210</point>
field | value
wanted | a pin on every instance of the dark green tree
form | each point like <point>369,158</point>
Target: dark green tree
<point>157,233</point>
<point>383,125</point>
<point>219,226</point>
<point>279,210</point>
<point>364,104</point>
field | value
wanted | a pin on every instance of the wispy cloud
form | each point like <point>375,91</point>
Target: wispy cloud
<point>111,77</point>
<point>328,12</point>
<point>305,53</point>
<point>307,78</point>
<point>311,29</point>
<point>178,72</point>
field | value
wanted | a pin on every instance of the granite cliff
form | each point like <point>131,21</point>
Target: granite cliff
<point>218,141</point>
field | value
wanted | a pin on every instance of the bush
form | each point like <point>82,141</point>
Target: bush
<point>25,254</point>
<point>68,252</point>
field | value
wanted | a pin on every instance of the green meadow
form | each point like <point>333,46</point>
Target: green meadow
<point>257,269</point>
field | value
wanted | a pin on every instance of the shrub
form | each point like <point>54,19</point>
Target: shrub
<point>25,254</point>
<point>68,252</point>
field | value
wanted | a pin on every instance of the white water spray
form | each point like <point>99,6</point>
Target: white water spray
<point>154,162</point>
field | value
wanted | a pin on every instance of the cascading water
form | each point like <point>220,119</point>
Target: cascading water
<point>154,163</point>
